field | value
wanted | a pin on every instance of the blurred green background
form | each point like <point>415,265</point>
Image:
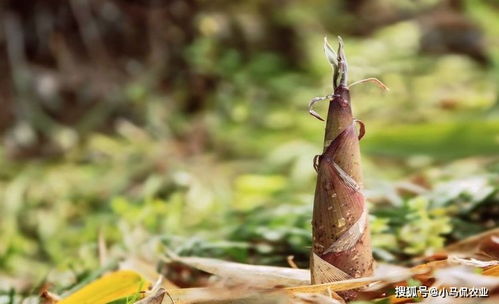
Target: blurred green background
<point>184,124</point>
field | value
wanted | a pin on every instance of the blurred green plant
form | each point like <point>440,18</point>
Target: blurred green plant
<point>424,229</point>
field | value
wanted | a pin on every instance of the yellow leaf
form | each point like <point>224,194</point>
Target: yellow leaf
<point>492,271</point>
<point>110,287</point>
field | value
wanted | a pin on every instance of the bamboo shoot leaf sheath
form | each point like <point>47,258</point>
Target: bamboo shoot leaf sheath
<point>341,239</point>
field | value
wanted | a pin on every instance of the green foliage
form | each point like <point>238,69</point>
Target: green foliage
<point>450,140</point>
<point>424,229</point>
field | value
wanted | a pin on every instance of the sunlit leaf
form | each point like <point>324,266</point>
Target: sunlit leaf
<point>111,287</point>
